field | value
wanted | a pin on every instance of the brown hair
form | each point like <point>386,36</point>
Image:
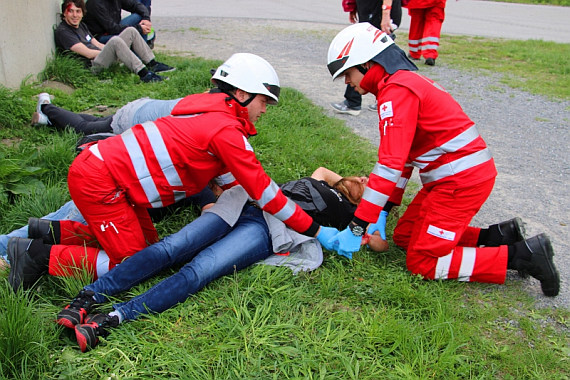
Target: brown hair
<point>351,187</point>
<point>67,3</point>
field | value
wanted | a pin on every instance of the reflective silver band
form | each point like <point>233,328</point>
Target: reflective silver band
<point>141,169</point>
<point>161,153</point>
<point>456,166</point>
<point>387,173</point>
<point>375,197</point>
<point>286,212</point>
<point>268,194</point>
<point>453,145</point>
<point>402,182</point>
<point>225,179</point>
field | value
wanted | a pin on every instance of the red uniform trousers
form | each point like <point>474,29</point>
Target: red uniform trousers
<point>120,228</point>
<point>439,243</point>
<point>425,29</point>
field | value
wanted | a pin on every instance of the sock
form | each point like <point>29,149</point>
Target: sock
<point>151,63</point>
<point>142,73</point>
<point>56,231</point>
<point>520,252</point>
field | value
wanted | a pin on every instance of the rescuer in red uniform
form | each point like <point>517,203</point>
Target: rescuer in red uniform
<point>422,126</point>
<point>114,181</point>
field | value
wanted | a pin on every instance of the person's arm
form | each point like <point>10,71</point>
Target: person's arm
<point>386,22</point>
<point>376,243</point>
<point>324,174</point>
<point>97,43</point>
<point>84,51</point>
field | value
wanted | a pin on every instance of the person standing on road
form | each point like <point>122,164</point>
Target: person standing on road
<point>385,15</point>
<point>422,126</point>
<point>426,18</point>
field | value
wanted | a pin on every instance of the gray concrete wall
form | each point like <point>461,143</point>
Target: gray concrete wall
<point>26,38</point>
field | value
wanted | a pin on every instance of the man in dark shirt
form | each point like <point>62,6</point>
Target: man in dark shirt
<point>74,35</point>
<point>104,19</point>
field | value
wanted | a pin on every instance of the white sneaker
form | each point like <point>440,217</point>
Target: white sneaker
<point>39,117</point>
<point>343,108</point>
<point>373,107</point>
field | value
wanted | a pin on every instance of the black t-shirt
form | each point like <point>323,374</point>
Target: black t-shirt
<point>326,205</point>
<point>66,36</point>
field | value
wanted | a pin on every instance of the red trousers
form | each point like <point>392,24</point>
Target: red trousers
<point>438,241</point>
<point>113,224</point>
<point>425,29</point>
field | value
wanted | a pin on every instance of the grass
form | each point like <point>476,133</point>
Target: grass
<point>360,319</point>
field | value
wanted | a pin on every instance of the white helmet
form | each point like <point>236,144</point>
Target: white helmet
<point>249,73</point>
<point>355,45</point>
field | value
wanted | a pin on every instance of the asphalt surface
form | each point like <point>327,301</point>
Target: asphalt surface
<point>527,134</point>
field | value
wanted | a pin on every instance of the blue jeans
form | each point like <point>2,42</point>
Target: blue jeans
<point>67,212</point>
<point>131,20</point>
<point>209,247</point>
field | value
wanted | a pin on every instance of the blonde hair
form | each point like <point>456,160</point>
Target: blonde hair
<point>351,187</point>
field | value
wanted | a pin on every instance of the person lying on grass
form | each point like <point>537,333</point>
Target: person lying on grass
<point>136,112</point>
<point>233,234</point>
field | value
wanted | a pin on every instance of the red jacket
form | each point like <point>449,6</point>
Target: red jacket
<point>421,126</point>
<point>158,163</point>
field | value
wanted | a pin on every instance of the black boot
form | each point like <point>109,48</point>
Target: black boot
<point>88,333</point>
<point>534,256</point>
<point>76,312</point>
<point>47,230</point>
<point>29,260</point>
<point>504,233</point>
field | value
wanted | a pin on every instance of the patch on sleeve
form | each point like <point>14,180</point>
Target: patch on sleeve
<point>386,110</point>
<point>441,233</point>
<point>247,144</point>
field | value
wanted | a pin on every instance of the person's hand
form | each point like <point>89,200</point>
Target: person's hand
<point>386,25</point>
<point>380,225</point>
<point>353,17</point>
<point>325,234</point>
<point>345,243</point>
<point>145,26</point>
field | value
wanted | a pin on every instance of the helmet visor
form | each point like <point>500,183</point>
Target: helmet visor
<point>274,90</point>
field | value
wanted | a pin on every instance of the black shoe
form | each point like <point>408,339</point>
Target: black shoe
<point>25,268</point>
<point>88,333</point>
<point>43,229</point>
<point>540,265</point>
<point>506,233</point>
<point>430,61</point>
<point>152,77</point>
<point>76,312</point>
<point>160,67</point>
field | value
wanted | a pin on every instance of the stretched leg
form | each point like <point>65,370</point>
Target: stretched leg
<point>432,29</point>
<point>82,123</point>
<point>416,32</point>
<point>177,248</point>
<point>246,244</point>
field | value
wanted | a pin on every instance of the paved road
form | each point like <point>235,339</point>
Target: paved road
<point>464,17</point>
<point>524,132</point>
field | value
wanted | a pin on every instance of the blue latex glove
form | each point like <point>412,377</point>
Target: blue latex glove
<point>380,225</point>
<point>325,234</point>
<point>345,243</point>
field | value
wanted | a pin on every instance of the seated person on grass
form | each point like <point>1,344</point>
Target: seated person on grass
<point>104,18</point>
<point>74,35</point>
<point>231,235</point>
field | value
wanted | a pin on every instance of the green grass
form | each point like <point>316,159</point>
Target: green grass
<point>535,66</point>
<point>360,319</point>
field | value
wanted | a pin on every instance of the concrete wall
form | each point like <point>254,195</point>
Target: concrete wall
<point>26,38</point>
